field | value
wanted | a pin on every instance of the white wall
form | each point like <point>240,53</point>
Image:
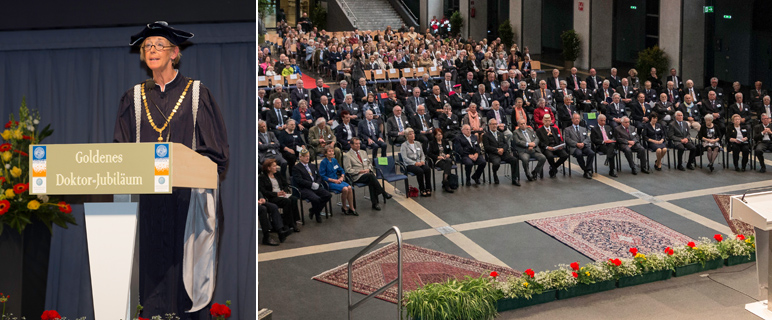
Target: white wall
<point>582,27</point>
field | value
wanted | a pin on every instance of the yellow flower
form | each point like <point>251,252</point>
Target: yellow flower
<point>17,134</point>
<point>6,134</point>
<point>33,205</point>
<point>7,156</point>
<point>747,240</point>
<point>15,172</point>
<point>525,284</point>
<point>9,194</point>
<point>587,273</point>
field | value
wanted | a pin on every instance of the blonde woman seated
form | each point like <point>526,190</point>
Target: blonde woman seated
<point>413,155</point>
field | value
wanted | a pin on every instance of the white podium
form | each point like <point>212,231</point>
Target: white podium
<point>756,209</point>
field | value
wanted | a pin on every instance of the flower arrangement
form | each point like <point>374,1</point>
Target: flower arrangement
<point>470,298</point>
<point>737,246</point>
<point>654,262</point>
<point>622,267</point>
<point>18,208</point>
<point>221,311</point>
<point>525,286</point>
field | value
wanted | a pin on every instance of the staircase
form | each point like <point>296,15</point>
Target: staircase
<point>371,14</point>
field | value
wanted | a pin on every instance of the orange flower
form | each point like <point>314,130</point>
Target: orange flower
<point>64,207</point>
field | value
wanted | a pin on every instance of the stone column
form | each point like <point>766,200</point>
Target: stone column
<point>670,33</point>
<point>531,25</point>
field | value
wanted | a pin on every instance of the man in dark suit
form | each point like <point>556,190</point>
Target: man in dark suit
<point>603,96</point>
<point>263,104</point>
<point>604,141</point>
<point>526,94</point>
<point>497,150</point>
<point>614,80</point>
<point>340,93</point>
<point>370,133</point>
<point>665,109</point>
<point>425,85</point>
<point>491,83</point>
<point>763,139</point>
<point>551,144</point>
<point>482,99</point>
<point>276,118</point>
<point>319,92</point>
<point>585,98</point>
<point>640,111</point>
<point>526,143</point>
<point>360,93</point>
<point>422,124</point>
<point>678,82</point>
<point>651,94</point>
<point>615,110</point>
<point>628,142</point>
<point>325,110</point>
<point>566,111</point>
<point>594,82</point>
<point>562,92</point>
<point>715,107</point>
<point>757,95</point>
<point>469,85</point>
<point>354,110</point>
<point>553,82</point>
<point>467,146</point>
<point>504,95</point>
<point>413,101</point>
<point>626,92</point>
<point>448,66</point>
<point>680,136</point>
<point>403,90</point>
<point>674,95</point>
<point>496,112</point>
<point>463,64</point>
<point>714,87</point>
<point>306,177</point>
<point>696,94</point>
<point>447,84</point>
<point>299,93</point>
<point>533,81</point>
<point>573,80</point>
<point>397,125</point>
<point>740,108</point>
<point>392,102</point>
<point>459,101</point>
<point>578,142</point>
<point>436,102</point>
<point>543,93</point>
<point>345,131</point>
<point>268,146</point>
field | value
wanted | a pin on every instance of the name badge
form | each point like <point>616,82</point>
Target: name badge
<point>298,148</point>
<point>366,159</point>
<point>306,94</point>
<point>294,136</point>
<point>743,130</point>
<point>286,99</point>
<point>454,121</point>
<point>657,129</point>
<point>335,167</point>
<point>633,133</point>
<point>584,133</point>
<point>329,136</point>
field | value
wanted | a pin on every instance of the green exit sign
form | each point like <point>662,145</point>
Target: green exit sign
<point>726,16</point>
<point>633,7</point>
<point>708,9</point>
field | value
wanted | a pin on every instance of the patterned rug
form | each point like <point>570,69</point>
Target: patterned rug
<point>419,267</point>
<point>738,227</point>
<point>610,233</point>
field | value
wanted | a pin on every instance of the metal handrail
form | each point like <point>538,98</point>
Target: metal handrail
<point>398,280</point>
<point>349,13</point>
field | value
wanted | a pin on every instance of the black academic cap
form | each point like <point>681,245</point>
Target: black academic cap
<point>161,29</point>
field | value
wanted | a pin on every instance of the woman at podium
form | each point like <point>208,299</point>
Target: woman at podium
<point>170,107</point>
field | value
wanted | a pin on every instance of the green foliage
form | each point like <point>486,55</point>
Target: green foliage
<point>319,18</point>
<point>507,33</point>
<point>572,45</point>
<point>471,298</point>
<point>653,57</point>
<point>265,8</point>
<point>456,23</point>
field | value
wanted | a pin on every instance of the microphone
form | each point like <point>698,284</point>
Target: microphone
<point>149,84</point>
<point>743,197</point>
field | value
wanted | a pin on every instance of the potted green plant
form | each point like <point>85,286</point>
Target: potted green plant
<point>653,57</point>
<point>470,298</point>
<point>654,267</point>
<point>696,257</point>
<point>571,47</point>
<point>456,23</point>
<point>738,250</point>
<point>507,34</point>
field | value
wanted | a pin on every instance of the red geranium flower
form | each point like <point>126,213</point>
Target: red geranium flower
<point>691,244</point>
<point>718,237</point>
<point>740,237</point>
<point>575,265</point>
<point>669,251</point>
<point>615,262</point>
<point>26,137</point>
<point>20,188</point>
<point>530,273</point>
<point>494,274</point>
<point>64,207</point>
<point>5,147</point>
<point>50,315</point>
<point>4,206</point>
<point>11,123</point>
<point>141,318</point>
<point>220,310</point>
<point>634,251</point>
<point>2,180</point>
<point>576,275</point>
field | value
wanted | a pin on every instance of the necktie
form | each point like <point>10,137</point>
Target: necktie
<point>543,95</point>
<point>576,84</point>
<point>527,139</point>
<point>447,84</point>
<point>682,127</point>
<point>603,131</point>
<point>399,124</point>
<point>404,88</point>
<point>309,171</point>
<point>643,108</point>
<point>281,119</point>
<point>360,158</point>
<point>265,137</point>
<point>372,129</point>
<point>495,136</point>
<point>576,128</point>
<point>624,90</point>
<point>423,122</point>
<point>416,103</point>
<point>670,96</point>
<point>364,88</point>
<point>498,118</point>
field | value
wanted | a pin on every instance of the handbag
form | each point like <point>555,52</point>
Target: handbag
<point>453,181</point>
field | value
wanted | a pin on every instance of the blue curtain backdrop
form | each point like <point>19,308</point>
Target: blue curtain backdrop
<point>75,78</point>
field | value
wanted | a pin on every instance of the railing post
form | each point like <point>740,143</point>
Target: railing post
<point>398,281</point>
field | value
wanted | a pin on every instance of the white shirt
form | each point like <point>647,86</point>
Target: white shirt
<point>739,133</point>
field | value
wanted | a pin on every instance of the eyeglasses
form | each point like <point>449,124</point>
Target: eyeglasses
<point>158,46</point>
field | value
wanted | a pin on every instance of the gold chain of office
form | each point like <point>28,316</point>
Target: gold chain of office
<point>147,110</point>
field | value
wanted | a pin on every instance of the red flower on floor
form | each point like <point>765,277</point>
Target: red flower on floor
<point>691,244</point>
<point>50,315</point>
<point>64,207</point>
<point>740,237</point>
<point>220,310</point>
<point>575,265</point>
<point>494,274</point>
<point>669,251</point>
<point>718,237</point>
<point>634,251</point>
<point>5,147</point>
<point>576,275</point>
<point>20,188</point>
<point>615,262</point>
<point>4,206</point>
<point>530,273</point>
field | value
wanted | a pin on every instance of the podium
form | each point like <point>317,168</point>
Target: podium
<point>756,209</point>
<point>124,170</point>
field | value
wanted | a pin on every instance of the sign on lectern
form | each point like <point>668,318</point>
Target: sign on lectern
<point>756,209</point>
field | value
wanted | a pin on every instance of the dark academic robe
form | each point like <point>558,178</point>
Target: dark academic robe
<point>162,218</point>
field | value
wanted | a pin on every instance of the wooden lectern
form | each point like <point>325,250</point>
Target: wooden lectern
<point>124,170</point>
<point>756,209</point>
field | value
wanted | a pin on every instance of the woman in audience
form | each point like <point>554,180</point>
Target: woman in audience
<point>633,79</point>
<point>439,154</point>
<point>413,156</point>
<point>487,63</point>
<point>303,117</point>
<point>513,62</point>
<point>711,139</point>
<point>501,65</point>
<point>737,136</point>
<point>275,188</point>
<point>426,61</point>
<point>332,172</point>
<point>472,118</point>
<point>655,135</point>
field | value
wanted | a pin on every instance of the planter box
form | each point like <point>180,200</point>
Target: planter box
<point>584,289</point>
<point>644,278</point>
<point>735,260</point>
<point>517,303</point>
<point>698,267</point>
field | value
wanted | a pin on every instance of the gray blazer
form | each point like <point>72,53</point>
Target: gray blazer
<point>572,137</point>
<point>267,148</point>
<point>410,156</point>
<point>520,141</point>
<point>410,106</point>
